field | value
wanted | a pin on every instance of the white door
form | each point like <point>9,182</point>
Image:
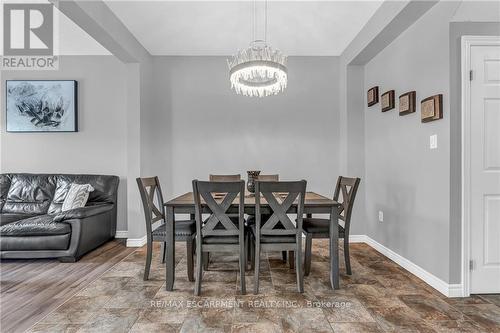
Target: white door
<point>485,168</point>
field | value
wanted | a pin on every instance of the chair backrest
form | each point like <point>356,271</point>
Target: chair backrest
<point>348,188</point>
<point>280,196</point>
<point>268,178</point>
<point>224,178</point>
<point>150,189</point>
<point>218,197</point>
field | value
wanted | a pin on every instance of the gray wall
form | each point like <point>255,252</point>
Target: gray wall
<point>407,65</point>
<point>391,19</point>
<point>355,137</point>
<point>97,19</point>
<point>203,127</point>
<point>457,18</point>
<point>404,178</point>
<point>99,146</point>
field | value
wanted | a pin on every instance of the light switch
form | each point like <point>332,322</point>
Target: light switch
<point>433,141</point>
<point>380,216</point>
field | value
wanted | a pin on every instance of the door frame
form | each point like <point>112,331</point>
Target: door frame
<point>467,42</point>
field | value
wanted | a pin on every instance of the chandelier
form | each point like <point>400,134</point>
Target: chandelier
<point>258,70</point>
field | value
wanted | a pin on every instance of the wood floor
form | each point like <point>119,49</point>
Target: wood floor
<point>105,292</point>
<point>379,296</point>
<point>31,289</point>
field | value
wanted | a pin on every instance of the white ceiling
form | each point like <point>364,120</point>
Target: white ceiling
<point>73,40</point>
<point>307,28</point>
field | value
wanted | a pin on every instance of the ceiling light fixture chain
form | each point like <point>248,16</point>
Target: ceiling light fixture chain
<point>254,19</point>
<point>265,23</point>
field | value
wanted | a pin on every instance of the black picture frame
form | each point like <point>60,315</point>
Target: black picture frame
<point>74,111</point>
<point>411,103</point>
<point>372,96</point>
<point>431,108</point>
<point>390,95</point>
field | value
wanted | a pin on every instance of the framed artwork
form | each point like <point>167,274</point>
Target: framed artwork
<point>431,108</point>
<point>407,103</point>
<point>41,106</point>
<point>372,96</point>
<point>387,101</point>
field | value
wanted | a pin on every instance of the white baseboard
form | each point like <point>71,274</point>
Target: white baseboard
<point>136,242</point>
<point>357,238</point>
<point>121,234</point>
<point>455,290</point>
<point>449,290</point>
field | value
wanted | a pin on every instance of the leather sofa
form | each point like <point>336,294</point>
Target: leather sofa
<point>32,224</point>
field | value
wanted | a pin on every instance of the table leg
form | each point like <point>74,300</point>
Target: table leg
<point>170,244</point>
<point>334,248</point>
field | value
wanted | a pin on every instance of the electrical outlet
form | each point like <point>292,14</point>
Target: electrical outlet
<point>433,141</point>
<point>380,216</point>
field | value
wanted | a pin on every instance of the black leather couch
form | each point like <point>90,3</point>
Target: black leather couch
<point>33,226</point>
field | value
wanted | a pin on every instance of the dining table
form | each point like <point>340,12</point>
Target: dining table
<point>314,203</point>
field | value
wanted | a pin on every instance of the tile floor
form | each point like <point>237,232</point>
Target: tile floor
<point>380,296</point>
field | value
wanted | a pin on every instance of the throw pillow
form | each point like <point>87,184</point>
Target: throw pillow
<point>77,196</point>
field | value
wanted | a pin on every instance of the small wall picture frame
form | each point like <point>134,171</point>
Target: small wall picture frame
<point>372,96</point>
<point>431,108</point>
<point>387,101</point>
<point>407,103</point>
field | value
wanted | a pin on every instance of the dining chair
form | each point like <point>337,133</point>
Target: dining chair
<point>224,178</point>
<point>320,228</point>
<point>278,232</point>
<point>263,178</point>
<point>221,178</point>
<point>184,230</point>
<point>268,178</point>
<point>219,233</point>
<point>251,218</point>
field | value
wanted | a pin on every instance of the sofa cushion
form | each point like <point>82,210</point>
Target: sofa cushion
<point>35,243</point>
<point>105,188</point>
<point>274,238</point>
<point>29,194</point>
<point>182,228</point>
<point>8,218</point>
<point>42,225</point>
<point>77,196</point>
<point>4,189</point>
<point>320,226</point>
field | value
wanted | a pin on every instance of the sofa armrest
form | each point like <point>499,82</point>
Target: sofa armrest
<point>83,212</point>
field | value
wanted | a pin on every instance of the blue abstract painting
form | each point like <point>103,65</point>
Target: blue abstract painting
<point>41,106</point>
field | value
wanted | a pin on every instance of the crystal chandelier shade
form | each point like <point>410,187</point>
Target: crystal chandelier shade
<point>259,70</point>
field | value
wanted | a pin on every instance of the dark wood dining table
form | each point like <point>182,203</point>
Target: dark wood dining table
<point>313,204</point>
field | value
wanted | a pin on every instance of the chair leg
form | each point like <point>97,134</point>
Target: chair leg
<point>291,259</point>
<point>206,259</point>
<point>243,266</point>
<point>346,255</point>
<point>247,250</point>
<point>163,252</point>
<point>257,268</point>
<point>199,272</point>
<point>283,255</point>
<point>252,254</point>
<point>298,265</point>
<point>149,255</point>
<point>190,263</point>
<point>308,254</point>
